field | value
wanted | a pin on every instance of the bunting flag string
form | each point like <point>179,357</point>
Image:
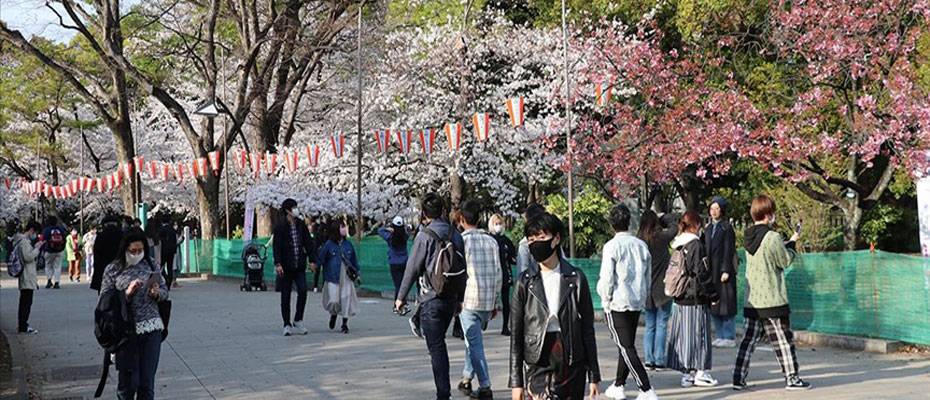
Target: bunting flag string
<point>256,161</point>
<point>127,171</point>
<point>242,160</point>
<point>271,163</point>
<point>165,172</point>
<point>602,95</point>
<point>383,139</point>
<point>338,141</point>
<point>153,169</point>
<point>140,163</point>
<point>313,155</point>
<point>214,157</point>
<point>515,110</point>
<point>291,161</point>
<point>482,123</point>
<point>179,173</point>
<point>427,140</point>
<point>454,135</point>
<point>404,136</point>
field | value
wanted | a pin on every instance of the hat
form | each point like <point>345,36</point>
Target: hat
<point>398,221</point>
<point>720,202</point>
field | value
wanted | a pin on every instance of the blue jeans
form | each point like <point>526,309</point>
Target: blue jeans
<point>724,327</point>
<point>137,382</point>
<point>435,316</point>
<point>656,329</point>
<point>475,362</point>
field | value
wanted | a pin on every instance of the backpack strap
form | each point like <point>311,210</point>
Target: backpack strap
<point>103,375</point>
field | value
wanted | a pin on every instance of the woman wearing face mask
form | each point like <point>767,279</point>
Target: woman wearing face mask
<point>339,262</point>
<point>508,255</point>
<point>553,349</point>
<point>396,237</point>
<point>73,255</point>
<point>134,273</point>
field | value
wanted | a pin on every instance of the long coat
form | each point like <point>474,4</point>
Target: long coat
<point>720,247</point>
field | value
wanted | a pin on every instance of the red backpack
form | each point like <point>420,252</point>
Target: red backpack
<point>56,241</point>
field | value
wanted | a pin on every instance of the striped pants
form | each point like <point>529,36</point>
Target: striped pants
<point>622,327</point>
<point>688,348</point>
<point>779,335</point>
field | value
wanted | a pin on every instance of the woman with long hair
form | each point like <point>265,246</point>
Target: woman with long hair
<point>135,273</point>
<point>658,234</point>
<point>339,262</point>
<point>688,348</point>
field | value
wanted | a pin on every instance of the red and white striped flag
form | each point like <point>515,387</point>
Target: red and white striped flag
<point>127,172</point>
<point>291,161</point>
<point>271,163</point>
<point>383,137</point>
<point>482,123</point>
<point>6,182</point>
<point>118,179</point>
<point>256,161</point>
<point>140,163</point>
<point>110,183</point>
<point>214,161</point>
<point>199,167</point>
<point>100,185</point>
<point>602,95</point>
<point>46,189</point>
<point>179,172</point>
<point>153,169</point>
<point>338,140</point>
<point>515,109</point>
<point>88,184</point>
<point>313,155</point>
<point>73,185</point>
<point>242,160</point>
<point>427,140</point>
<point>67,191</point>
<point>404,137</point>
<point>454,135</point>
<point>165,172</point>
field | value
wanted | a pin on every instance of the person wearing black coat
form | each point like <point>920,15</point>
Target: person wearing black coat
<point>169,247</point>
<point>293,248</point>
<point>508,257</point>
<point>106,248</point>
<point>658,234</point>
<point>720,245</point>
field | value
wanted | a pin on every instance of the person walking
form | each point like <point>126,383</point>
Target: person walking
<point>28,279</point>
<point>168,237</point>
<point>54,236</point>
<point>105,252</point>
<point>524,258</point>
<point>553,349</point>
<point>88,240</point>
<point>688,348</point>
<point>318,235</point>
<point>136,274</point>
<point>73,255</point>
<point>292,249</point>
<point>658,234</point>
<point>153,240</point>
<point>435,310</point>
<point>623,286</point>
<point>482,291</point>
<point>508,257</point>
<point>395,236</point>
<point>720,243</point>
<point>340,271</point>
<point>766,311</point>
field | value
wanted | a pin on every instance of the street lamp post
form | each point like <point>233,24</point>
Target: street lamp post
<point>211,110</point>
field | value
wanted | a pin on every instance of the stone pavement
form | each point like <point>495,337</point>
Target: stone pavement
<point>226,344</point>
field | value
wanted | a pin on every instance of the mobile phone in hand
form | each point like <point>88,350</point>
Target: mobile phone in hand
<point>797,228</point>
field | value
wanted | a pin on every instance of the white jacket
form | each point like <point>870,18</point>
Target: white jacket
<point>626,273</point>
<point>28,279</point>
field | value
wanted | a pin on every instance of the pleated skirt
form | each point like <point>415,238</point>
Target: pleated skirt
<point>688,347</point>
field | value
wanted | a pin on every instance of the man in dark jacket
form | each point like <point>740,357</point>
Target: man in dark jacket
<point>720,244</point>
<point>293,247</point>
<point>435,312</point>
<point>169,247</point>
<point>105,248</point>
<point>553,349</point>
<point>54,236</point>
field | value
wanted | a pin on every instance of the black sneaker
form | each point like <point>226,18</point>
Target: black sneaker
<point>796,383</point>
<point>57,285</point>
<point>49,284</point>
<point>332,322</point>
<point>415,329</point>
<point>345,329</point>
<point>505,332</point>
<point>650,366</point>
<point>465,387</point>
<point>740,386</point>
<point>482,394</point>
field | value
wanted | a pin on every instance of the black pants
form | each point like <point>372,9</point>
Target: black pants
<point>137,382</point>
<point>316,276</point>
<point>435,316</point>
<point>622,327</point>
<point>291,279</point>
<point>25,307</point>
<point>397,275</point>
<point>168,273</point>
<point>505,306</point>
<point>552,378</point>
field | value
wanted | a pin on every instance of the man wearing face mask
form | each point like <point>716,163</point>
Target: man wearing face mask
<point>553,350</point>
<point>292,249</point>
<point>508,257</point>
<point>28,281</point>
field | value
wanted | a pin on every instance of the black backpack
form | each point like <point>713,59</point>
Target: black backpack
<point>56,240</point>
<point>113,328</point>
<point>448,274</point>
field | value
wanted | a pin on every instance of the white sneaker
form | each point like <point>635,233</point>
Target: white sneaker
<point>299,329</point>
<point>727,343</point>
<point>715,343</point>
<point>687,380</point>
<point>704,379</point>
<point>616,392</point>
<point>649,395</point>
<point>287,330</point>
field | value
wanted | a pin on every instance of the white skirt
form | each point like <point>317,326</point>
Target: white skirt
<point>340,299</point>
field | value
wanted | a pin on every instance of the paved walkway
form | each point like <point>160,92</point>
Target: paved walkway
<point>227,345</point>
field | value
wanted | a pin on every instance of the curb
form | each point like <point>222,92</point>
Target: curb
<point>870,345</point>
<point>15,378</point>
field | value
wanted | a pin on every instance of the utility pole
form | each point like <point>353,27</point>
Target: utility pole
<point>359,222</point>
<point>568,136</point>
<point>225,146</point>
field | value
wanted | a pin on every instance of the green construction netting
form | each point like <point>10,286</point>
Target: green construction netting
<point>882,295</point>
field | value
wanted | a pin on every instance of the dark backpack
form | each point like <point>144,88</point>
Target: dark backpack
<point>113,328</point>
<point>448,274</point>
<point>15,264</point>
<point>56,240</point>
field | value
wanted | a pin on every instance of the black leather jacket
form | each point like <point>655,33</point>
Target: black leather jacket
<point>528,319</point>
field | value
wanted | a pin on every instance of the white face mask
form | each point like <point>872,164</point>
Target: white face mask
<point>496,229</point>
<point>134,259</point>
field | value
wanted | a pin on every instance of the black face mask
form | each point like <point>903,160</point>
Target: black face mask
<point>542,250</point>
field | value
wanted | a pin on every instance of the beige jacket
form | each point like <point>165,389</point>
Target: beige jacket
<point>28,279</point>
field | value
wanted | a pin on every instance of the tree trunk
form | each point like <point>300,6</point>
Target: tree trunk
<point>456,187</point>
<point>852,217</point>
<point>122,133</point>
<point>208,201</point>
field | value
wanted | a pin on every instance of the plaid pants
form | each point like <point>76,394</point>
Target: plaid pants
<point>779,334</point>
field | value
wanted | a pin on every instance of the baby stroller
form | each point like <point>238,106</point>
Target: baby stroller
<point>253,263</point>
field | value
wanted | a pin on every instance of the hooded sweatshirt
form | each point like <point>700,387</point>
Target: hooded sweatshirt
<point>767,256</point>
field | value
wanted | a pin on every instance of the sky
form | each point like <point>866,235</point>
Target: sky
<point>32,17</point>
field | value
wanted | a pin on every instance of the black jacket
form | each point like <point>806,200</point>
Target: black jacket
<point>283,251</point>
<point>701,290</point>
<point>721,255</point>
<point>169,242</point>
<point>658,249</point>
<point>508,256</point>
<point>528,317</point>
<point>106,245</point>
